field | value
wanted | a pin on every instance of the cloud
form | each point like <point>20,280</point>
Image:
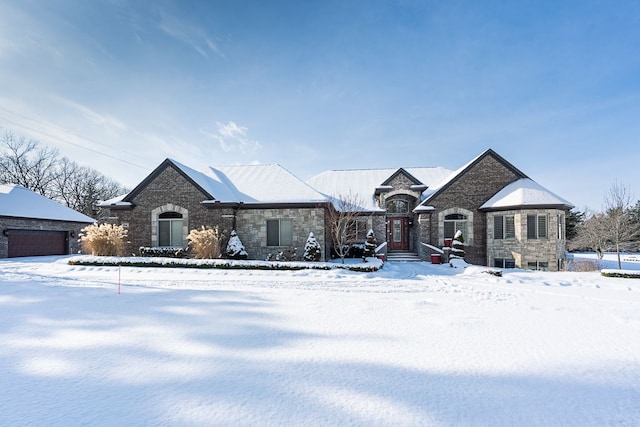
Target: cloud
<point>190,34</point>
<point>104,120</point>
<point>232,137</point>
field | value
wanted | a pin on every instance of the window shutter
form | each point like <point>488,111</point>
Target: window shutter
<point>498,227</point>
<point>542,226</point>
<point>531,227</point>
<point>509,227</point>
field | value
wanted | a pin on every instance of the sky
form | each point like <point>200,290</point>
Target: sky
<point>553,87</point>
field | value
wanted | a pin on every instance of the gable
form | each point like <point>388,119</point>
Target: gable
<point>168,166</point>
<point>479,179</point>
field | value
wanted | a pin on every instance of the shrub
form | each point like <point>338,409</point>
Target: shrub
<point>161,251</point>
<point>312,249</point>
<point>584,265</point>
<point>290,254</point>
<point>235,248</point>
<point>457,249</point>
<point>103,239</point>
<point>370,245</point>
<point>205,242</point>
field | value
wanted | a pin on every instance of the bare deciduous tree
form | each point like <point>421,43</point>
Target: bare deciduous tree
<point>27,163</point>
<point>621,229</point>
<point>342,215</point>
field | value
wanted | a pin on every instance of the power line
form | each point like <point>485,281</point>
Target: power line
<point>65,141</point>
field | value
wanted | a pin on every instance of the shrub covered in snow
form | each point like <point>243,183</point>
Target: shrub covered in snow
<point>205,242</point>
<point>290,254</point>
<point>457,247</point>
<point>103,239</point>
<point>161,251</point>
<point>312,249</point>
<point>235,248</point>
<point>370,245</point>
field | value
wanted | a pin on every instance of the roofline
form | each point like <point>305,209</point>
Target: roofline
<point>46,219</point>
<point>471,165</point>
<point>154,174</point>
<point>403,171</point>
<point>213,204</point>
<point>562,206</point>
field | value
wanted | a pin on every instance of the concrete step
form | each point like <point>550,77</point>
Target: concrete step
<point>402,257</point>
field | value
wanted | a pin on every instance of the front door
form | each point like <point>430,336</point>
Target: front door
<point>398,239</point>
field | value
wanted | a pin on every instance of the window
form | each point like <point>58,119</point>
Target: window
<point>453,223</point>
<point>170,229</point>
<point>504,263</point>
<point>279,232</point>
<point>538,265</point>
<point>397,206</point>
<point>537,226</point>
<point>358,229</point>
<point>504,227</point>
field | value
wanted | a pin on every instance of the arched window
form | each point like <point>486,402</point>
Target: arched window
<point>453,223</point>
<point>397,206</point>
<point>170,229</point>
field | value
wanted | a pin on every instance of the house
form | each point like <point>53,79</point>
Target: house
<point>271,209</point>
<point>506,219</point>
<point>33,225</point>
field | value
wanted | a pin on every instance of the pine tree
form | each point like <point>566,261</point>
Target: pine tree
<point>370,245</point>
<point>312,249</point>
<point>235,248</point>
<point>457,249</point>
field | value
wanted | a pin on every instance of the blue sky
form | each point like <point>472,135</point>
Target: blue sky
<point>552,86</point>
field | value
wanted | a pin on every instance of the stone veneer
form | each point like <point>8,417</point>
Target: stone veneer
<point>523,250</point>
<point>252,229</point>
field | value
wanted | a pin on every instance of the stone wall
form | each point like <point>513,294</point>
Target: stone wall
<point>524,251</point>
<point>252,229</point>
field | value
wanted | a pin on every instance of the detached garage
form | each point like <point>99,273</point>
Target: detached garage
<point>32,225</point>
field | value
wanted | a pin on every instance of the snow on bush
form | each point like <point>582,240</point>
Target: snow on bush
<point>312,249</point>
<point>235,248</point>
<point>205,242</point>
<point>370,245</point>
<point>457,247</point>
<point>103,239</point>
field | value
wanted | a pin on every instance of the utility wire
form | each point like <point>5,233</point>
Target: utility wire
<point>65,141</point>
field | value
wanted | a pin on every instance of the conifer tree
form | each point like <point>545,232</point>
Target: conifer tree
<point>235,248</point>
<point>370,245</point>
<point>312,249</point>
<point>457,247</point>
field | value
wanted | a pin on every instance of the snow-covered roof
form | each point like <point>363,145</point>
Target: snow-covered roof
<point>525,192</point>
<point>360,184</point>
<point>17,201</point>
<point>269,183</point>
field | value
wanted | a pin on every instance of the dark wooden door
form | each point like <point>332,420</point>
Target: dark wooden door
<point>398,240</point>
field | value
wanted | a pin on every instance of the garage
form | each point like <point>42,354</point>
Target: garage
<point>33,225</point>
<point>36,242</point>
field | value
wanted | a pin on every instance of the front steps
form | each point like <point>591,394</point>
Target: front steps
<point>402,257</point>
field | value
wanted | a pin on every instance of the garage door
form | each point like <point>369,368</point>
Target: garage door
<point>36,243</point>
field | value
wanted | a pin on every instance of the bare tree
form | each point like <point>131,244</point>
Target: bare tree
<point>621,229</point>
<point>342,217</point>
<point>27,163</point>
<point>592,233</point>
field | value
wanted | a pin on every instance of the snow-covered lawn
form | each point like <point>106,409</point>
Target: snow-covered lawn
<point>411,344</point>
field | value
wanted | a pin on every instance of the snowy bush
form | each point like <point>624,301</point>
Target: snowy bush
<point>161,251</point>
<point>370,245</point>
<point>312,249</point>
<point>103,239</point>
<point>235,248</point>
<point>290,254</point>
<point>205,242</point>
<point>457,247</point>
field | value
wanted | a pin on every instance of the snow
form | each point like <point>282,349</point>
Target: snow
<point>525,192</point>
<point>18,201</point>
<point>411,344</point>
<point>362,183</point>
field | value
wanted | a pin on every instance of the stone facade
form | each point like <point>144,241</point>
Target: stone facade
<point>544,253</point>
<point>11,223</point>
<point>465,195</point>
<point>252,229</point>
